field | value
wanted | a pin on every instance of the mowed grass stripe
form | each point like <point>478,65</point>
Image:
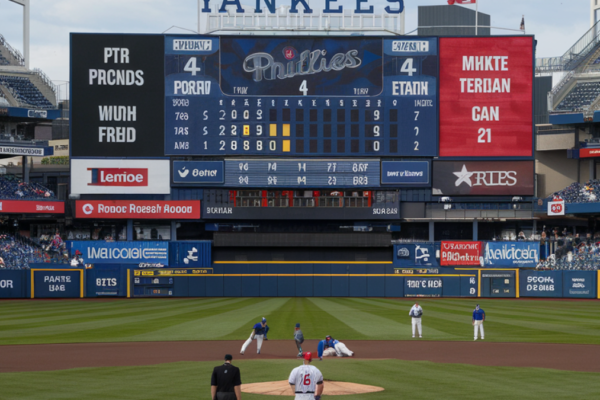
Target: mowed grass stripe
<point>218,325</point>
<point>99,313</point>
<point>90,330</point>
<point>400,379</point>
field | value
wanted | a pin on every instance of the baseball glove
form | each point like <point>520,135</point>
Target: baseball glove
<point>318,397</point>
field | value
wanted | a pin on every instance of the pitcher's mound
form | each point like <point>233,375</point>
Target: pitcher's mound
<point>332,388</point>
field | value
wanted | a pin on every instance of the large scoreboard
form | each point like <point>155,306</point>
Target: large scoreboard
<point>351,96</point>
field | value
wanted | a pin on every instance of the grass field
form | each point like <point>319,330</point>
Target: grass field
<point>72,321</point>
<point>75,321</point>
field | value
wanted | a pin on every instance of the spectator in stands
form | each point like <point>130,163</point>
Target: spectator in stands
<point>77,261</point>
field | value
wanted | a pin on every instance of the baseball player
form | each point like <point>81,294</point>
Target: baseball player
<point>259,332</point>
<point>299,339</point>
<point>329,343</point>
<point>478,318</point>
<point>416,312</point>
<point>306,380</point>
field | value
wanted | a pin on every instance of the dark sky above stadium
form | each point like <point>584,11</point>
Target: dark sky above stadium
<point>557,24</point>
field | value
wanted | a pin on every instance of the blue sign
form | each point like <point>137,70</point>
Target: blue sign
<point>428,287</point>
<point>107,282</point>
<point>301,96</point>
<point>122,252</point>
<point>581,284</point>
<point>415,255</point>
<point>405,173</point>
<point>541,284</point>
<point>198,172</point>
<point>512,254</point>
<point>38,114</point>
<point>12,283</point>
<point>49,283</point>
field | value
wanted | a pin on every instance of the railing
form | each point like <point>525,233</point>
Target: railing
<point>14,52</point>
<point>480,206</point>
<point>47,81</point>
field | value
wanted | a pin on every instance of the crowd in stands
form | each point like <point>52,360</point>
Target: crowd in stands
<point>572,252</point>
<point>583,94</point>
<point>3,60</point>
<point>12,187</point>
<point>578,193</point>
<point>17,252</point>
<point>25,91</point>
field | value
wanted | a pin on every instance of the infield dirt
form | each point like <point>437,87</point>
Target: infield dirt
<point>49,357</point>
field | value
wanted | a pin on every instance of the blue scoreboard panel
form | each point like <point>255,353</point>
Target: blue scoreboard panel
<point>302,173</point>
<point>301,96</point>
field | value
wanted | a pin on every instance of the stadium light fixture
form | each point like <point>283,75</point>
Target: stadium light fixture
<point>25,4</point>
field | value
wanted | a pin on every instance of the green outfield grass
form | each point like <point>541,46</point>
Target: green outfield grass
<point>401,380</point>
<point>73,321</point>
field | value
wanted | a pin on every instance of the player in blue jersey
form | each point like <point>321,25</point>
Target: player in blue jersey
<point>259,332</point>
<point>478,318</point>
<point>331,347</point>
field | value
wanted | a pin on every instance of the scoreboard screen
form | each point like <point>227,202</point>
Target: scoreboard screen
<point>301,96</point>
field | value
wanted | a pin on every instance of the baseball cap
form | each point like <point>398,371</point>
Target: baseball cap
<point>297,325</point>
<point>307,356</point>
<point>328,337</point>
<point>477,307</point>
<point>228,357</point>
<point>264,319</point>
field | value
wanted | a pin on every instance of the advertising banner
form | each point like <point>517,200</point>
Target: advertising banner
<point>541,284</point>
<point>460,253</point>
<point>486,96</point>
<point>415,255</point>
<point>107,282</point>
<point>27,151</point>
<point>589,153</point>
<point>190,254</point>
<point>12,284</point>
<point>556,207</point>
<point>92,176</point>
<point>512,254</point>
<point>483,178</point>
<point>422,287</point>
<point>405,173</point>
<point>580,284</point>
<point>140,209</point>
<point>198,172</point>
<point>122,252</point>
<point>117,89</point>
<point>32,207</point>
<point>53,284</point>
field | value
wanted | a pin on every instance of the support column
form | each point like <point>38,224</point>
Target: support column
<point>431,231</point>
<point>129,229</point>
<point>475,230</point>
<point>173,230</point>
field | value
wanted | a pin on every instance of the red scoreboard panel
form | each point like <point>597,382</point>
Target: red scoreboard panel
<point>486,97</point>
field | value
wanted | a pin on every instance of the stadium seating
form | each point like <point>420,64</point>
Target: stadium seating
<point>580,96</point>
<point>19,253</point>
<point>573,256</point>
<point>578,193</point>
<point>3,60</point>
<point>12,187</point>
<point>25,91</point>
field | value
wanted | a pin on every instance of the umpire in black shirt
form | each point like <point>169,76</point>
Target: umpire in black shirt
<point>226,381</point>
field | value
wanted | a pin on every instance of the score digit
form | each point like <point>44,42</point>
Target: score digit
<point>408,67</point>
<point>482,133</point>
<point>190,66</point>
<point>303,88</point>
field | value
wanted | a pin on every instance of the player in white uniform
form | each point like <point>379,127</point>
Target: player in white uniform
<point>416,312</point>
<point>306,380</point>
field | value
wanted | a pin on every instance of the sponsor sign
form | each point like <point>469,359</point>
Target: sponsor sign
<point>405,173</point>
<point>556,207</point>
<point>415,255</point>
<point>117,88</point>
<point>589,153</point>
<point>476,178</point>
<point>486,97</point>
<point>579,284</point>
<point>32,207</point>
<point>423,287</point>
<point>107,282</point>
<point>49,283</point>
<point>37,114</point>
<point>198,172</point>
<point>541,283</point>
<point>94,252</point>
<point>120,176</point>
<point>460,253</point>
<point>12,284</point>
<point>512,254</point>
<point>138,209</point>
<point>27,151</point>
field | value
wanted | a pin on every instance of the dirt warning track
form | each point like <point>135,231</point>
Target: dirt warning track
<point>49,357</point>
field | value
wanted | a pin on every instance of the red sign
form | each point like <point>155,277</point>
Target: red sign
<point>486,97</point>
<point>32,207</point>
<point>588,153</point>
<point>460,253</point>
<point>139,209</point>
<point>119,176</point>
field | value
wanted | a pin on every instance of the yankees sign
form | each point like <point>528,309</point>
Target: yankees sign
<point>476,178</point>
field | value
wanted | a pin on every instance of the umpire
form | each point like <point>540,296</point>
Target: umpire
<point>226,382</point>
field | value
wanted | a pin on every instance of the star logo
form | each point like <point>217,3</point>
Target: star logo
<point>463,176</point>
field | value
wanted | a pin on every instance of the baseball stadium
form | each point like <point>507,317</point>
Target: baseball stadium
<point>362,200</point>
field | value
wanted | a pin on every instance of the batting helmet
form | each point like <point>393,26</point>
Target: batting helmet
<point>307,356</point>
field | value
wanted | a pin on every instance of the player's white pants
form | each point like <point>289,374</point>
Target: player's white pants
<point>329,352</point>
<point>304,396</point>
<point>416,324</point>
<point>342,351</point>
<point>259,341</point>
<point>478,324</point>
